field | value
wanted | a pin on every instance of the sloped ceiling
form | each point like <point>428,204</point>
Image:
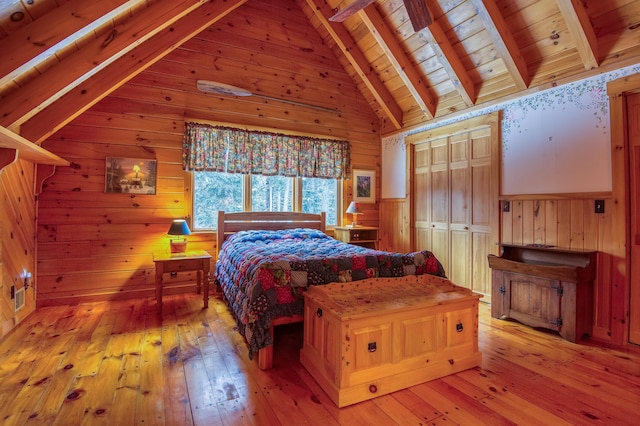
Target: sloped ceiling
<point>61,57</point>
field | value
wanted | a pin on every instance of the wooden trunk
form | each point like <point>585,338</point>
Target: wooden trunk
<point>368,338</point>
<point>545,287</point>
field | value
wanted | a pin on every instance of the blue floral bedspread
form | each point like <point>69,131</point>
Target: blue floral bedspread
<point>264,273</point>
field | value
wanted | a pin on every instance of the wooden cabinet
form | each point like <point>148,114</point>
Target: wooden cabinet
<point>368,338</point>
<point>545,287</point>
<point>365,236</point>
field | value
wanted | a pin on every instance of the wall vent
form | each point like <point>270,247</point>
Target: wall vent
<point>19,299</point>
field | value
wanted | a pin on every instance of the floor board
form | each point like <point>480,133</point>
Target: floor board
<point>120,362</point>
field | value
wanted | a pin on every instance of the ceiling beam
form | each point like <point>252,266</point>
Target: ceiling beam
<point>66,25</point>
<point>504,42</point>
<point>118,72</point>
<point>356,58</point>
<point>449,59</point>
<point>581,30</point>
<point>415,83</point>
<point>91,58</point>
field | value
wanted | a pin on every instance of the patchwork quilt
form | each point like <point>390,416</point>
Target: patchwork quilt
<point>263,274</point>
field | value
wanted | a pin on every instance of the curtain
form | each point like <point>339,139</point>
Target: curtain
<point>230,150</point>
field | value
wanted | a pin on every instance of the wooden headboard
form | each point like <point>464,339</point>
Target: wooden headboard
<point>229,223</point>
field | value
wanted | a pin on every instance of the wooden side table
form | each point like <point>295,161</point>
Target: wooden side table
<point>198,260</point>
<point>365,236</point>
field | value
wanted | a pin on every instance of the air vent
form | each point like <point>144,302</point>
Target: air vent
<point>19,299</point>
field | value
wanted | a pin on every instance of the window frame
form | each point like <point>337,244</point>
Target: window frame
<point>189,198</point>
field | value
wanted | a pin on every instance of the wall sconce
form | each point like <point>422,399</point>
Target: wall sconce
<point>26,276</point>
<point>179,229</point>
<point>354,209</point>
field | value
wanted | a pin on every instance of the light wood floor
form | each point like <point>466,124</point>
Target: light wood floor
<point>119,363</point>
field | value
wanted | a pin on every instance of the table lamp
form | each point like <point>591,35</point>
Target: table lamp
<point>354,209</point>
<point>179,229</point>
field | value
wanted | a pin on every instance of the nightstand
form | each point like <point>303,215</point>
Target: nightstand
<point>365,236</point>
<point>197,260</point>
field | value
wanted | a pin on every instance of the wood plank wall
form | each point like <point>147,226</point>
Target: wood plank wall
<point>394,225</point>
<point>95,246</point>
<point>17,239</point>
<point>567,222</point>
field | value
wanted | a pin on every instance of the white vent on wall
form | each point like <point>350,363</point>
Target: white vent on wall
<point>19,299</point>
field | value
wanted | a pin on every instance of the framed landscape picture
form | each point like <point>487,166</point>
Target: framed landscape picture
<point>364,186</point>
<point>130,175</point>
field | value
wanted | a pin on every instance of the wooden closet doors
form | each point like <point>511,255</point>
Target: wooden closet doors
<point>454,195</point>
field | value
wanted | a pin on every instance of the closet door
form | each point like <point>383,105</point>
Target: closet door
<point>455,181</point>
<point>483,235</point>
<point>439,195</point>
<point>422,205</point>
<point>459,208</point>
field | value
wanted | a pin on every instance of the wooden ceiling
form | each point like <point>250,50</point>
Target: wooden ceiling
<point>60,57</point>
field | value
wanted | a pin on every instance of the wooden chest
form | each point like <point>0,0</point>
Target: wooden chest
<point>368,338</point>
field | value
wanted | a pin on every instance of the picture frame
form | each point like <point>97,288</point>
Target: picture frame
<point>130,175</point>
<point>364,186</point>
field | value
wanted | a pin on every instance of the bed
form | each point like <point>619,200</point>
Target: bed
<point>263,275</point>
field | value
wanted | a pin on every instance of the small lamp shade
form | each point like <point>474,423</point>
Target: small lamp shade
<point>354,209</point>
<point>179,228</point>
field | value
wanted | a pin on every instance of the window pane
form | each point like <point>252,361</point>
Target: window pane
<point>271,193</point>
<point>321,195</point>
<point>212,192</point>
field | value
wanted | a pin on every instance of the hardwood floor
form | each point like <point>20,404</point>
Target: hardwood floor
<point>119,363</point>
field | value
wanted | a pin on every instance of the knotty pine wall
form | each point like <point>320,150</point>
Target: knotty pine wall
<point>17,240</point>
<point>95,246</point>
<point>564,222</point>
<point>569,223</point>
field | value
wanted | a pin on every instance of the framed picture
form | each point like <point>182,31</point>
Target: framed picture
<point>364,186</point>
<point>130,175</point>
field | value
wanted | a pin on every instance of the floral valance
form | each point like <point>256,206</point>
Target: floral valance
<point>230,150</point>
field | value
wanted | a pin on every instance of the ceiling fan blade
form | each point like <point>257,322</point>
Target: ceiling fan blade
<point>221,88</point>
<point>416,9</point>
<point>418,14</point>
<point>350,10</point>
<point>229,90</point>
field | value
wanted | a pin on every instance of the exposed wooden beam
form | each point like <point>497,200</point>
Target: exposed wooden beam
<point>90,59</point>
<point>581,30</point>
<point>415,83</point>
<point>504,42</point>
<point>68,24</point>
<point>356,58</point>
<point>449,59</point>
<point>26,150</point>
<point>92,90</point>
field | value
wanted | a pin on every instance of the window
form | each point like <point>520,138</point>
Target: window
<point>271,193</point>
<point>321,195</point>
<point>213,191</point>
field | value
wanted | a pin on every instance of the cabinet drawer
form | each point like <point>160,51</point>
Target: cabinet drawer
<point>183,265</point>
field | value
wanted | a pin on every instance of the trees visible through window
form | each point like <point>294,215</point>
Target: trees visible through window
<point>271,193</point>
<point>321,195</point>
<point>214,191</point>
